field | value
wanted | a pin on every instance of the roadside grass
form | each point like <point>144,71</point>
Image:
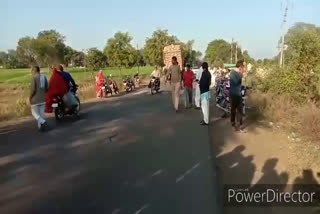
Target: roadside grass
<point>14,87</point>
<point>300,118</point>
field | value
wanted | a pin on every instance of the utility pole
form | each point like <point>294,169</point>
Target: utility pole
<point>231,50</point>
<point>281,59</point>
<point>236,56</point>
<point>138,57</point>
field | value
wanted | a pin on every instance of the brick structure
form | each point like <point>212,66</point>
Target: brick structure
<point>169,52</point>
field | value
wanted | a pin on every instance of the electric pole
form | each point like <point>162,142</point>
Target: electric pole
<point>231,50</point>
<point>138,57</point>
<point>236,56</point>
<point>281,59</point>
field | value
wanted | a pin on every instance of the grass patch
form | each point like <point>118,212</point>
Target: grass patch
<point>22,76</point>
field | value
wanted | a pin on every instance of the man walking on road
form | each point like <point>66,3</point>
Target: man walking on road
<point>188,80</point>
<point>176,84</point>
<point>205,96</point>
<point>235,95</point>
<point>39,88</point>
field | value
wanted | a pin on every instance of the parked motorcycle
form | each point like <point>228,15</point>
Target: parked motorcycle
<point>223,99</point>
<point>114,87</point>
<point>61,110</point>
<point>128,84</point>
<point>222,96</point>
<point>106,89</point>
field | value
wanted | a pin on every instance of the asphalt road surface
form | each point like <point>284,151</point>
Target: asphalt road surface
<point>127,155</point>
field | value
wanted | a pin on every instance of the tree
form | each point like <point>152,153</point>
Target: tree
<point>69,54</point>
<point>120,52</point>
<point>218,50</point>
<point>247,58</point>
<point>304,48</point>
<point>79,59</point>
<point>154,46</point>
<point>3,58</point>
<point>46,49</point>
<point>140,58</point>
<point>95,59</point>
<point>26,52</point>
<point>56,41</point>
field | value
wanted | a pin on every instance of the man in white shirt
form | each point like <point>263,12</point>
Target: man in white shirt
<point>197,89</point>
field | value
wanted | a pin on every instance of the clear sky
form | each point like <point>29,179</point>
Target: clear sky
<point>255,24</point>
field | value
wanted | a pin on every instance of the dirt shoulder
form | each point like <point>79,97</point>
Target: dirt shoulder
<point>262,155</point>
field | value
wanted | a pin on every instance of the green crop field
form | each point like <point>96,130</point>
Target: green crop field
<point>22,76</point>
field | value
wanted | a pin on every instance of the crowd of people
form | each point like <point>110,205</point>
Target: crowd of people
<point>196,88</point>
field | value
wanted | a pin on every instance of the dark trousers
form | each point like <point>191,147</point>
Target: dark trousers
<point>188,97</point>
<point>236,109</point>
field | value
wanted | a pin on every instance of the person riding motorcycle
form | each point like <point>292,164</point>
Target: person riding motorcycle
<point>69,98</point>
<point>155,74</point>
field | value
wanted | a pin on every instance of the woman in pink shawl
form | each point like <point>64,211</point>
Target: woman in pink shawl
<point>99,84</point>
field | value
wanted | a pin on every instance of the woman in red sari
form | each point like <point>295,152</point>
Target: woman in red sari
<point>57,87</point>
<point>99,84</point>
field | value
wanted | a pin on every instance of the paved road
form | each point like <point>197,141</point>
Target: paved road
<point>131,154</point>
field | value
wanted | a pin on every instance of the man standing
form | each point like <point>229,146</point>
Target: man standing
<point>235,95</point>
<point>175,72</point>
<point>197,89</point>
<point>205,96</point>
<point>188,80</point>
<point>39,88</point>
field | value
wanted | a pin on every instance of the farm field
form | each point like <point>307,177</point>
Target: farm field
<point>14,86</point>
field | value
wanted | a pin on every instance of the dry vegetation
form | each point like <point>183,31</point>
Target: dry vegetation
<point>301,118</point>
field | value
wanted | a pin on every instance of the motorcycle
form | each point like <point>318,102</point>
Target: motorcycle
<point>128,84</point>
<point>243,95</point>
<point>223,100</point>
<point>222,96</point>
<point>114,87</point>
<point>154,85</point>
<point>61,110</point>
<point>106,89</point>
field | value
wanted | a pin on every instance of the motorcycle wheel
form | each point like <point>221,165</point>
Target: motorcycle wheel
<point>152,91</point>
<point>77,110</point>
<point>58,113</point>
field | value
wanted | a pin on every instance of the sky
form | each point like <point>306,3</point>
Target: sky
<point>254,24</point>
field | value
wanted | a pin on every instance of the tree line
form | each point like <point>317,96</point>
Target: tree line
<point>49,48</point>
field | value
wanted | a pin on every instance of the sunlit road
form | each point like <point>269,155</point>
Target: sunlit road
<point>131,154</point>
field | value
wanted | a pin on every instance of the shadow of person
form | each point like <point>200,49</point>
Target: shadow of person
<point>306,178</point>
<point>271,176</point>
<point>237,169</point>
<point>308,183</point>
<point>230,158</point>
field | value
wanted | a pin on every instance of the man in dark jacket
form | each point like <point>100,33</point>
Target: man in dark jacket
<point>205,96</point>
<point>67,77</point>
<point>235,95</point>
